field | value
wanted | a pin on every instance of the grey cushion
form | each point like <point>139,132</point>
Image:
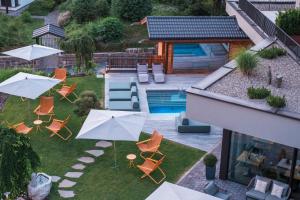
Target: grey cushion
<point>211,189</point>
<point>285,186</point>
<point>120,95</point>
<point>271,197</point>
<point>256,195</point>
<point>120,105</point>
<point>183,119</point>
<point>223,195</point>
<point>135,102</point>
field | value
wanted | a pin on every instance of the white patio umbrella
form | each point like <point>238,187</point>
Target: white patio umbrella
<point>175,192</point>
<point>112,125</point>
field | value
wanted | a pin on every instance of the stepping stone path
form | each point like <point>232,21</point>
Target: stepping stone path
<point>73,174</point>
<point>86,160</point>
<point>55,179</point>
<point>78,166</point>
<point>66,193</point>
<point>95,153</point>
<point>103,144</point>
<point>66,184</point>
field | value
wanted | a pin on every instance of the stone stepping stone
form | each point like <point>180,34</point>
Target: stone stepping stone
<point>66,193</point>
<point>66,184</point>
<point>86,160</point>
<point>73,174</point>
<point>78,166</point>
<point>55,179</point>
<point>95,153</point>
<point>103,144</point>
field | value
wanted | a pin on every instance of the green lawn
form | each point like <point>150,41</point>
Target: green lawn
<point>99,181</point>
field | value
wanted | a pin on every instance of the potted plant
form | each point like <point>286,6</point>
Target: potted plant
<point>210,161</point>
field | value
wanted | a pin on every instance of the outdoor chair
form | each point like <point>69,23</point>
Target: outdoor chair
<point>57,125</point>
<point>158,73</point>
<point>46,107</point>
<point>142,72</point>
<point>65,91</point>
<point>20,127</point>
<point>151,145</point>
<point>60,73</point>
<point>212,189</point>
<point>149,166</point>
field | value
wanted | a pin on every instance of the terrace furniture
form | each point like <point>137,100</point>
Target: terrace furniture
<point>57,125</point>
<point>185,125</point>
<point>158,73</point>
<point>123,95</point>
<point>65,91</point>
<point>131,157</point>
<point>212,189</point>
<point>131,105</point>
<point>261,188</point>
<point>151,145</point>
<point>142,72</point>
<point>46,107</point>
<point>121,86</point>
<point>20,128</point>
<point>38,124</point>
<point>149,166</point>
<point>60,73</point>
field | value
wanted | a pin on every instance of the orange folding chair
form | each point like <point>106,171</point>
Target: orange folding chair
<point>149,166</point>
<point>46,107</point>
<point>151,145</point>
<point>66,91</point>
<point>20,128</point>
<point>60,73</point>
<point>57,125</point>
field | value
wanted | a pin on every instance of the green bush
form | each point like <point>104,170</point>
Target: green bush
<point>84,10</point>
<point>7,73</point>
<point>86,101</point>
<point>258,93</point>
<point>276,101</point>
<point>246,62</point>
<point>41,7</point>
<point>103,8</point>
<point>26,17</point>
<point>210,160</point>
<point>289,21</point>
<point>131,10</point>
<point>271,53</point>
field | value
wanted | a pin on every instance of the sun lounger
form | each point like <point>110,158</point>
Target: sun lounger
<point>142,72</point>
<point>123,95</point>
<point>158,73</point>
<point>132,105</point>
<point>121,86</point>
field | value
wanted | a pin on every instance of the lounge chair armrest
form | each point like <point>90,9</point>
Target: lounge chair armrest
<point>144,141</point>
<point>147,168</point>
<point>37,108</point>
<point>153,148</point>
<point>51,109</point>
<point>153,160</point>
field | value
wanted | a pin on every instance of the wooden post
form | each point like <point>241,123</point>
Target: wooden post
<point>170,56</point>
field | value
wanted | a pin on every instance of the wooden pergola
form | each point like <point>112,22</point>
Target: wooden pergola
<point>170,30</point>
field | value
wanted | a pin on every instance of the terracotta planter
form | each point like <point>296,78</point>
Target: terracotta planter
<point>296,38</point>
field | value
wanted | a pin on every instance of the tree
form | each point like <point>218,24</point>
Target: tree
<point>17,161</point>
<point>84,10</point>
<point>131,10</point>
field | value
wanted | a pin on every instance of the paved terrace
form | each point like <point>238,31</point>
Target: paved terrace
<point>165,123</point>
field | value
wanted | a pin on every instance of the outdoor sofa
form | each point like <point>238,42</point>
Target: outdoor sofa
<point>255,189</point>
<point>185,125</point>
<point>123,95</point>
<point>212,189</point>
<point>131,105</point>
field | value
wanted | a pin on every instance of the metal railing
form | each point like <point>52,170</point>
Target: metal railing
<point>269,27</point>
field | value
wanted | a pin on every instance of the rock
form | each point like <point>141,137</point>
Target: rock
<point>78,166</point>
<point>66,184</point>
<point>55,179</point>
<point>73,174</point>
<point>95,153</point>
<point>103,144</point>
<point>66,193</point>
<point>86,160</point>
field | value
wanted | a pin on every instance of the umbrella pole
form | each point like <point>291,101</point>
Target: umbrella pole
<point>115,156</point>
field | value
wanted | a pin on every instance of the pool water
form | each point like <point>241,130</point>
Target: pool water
<point>188,50</point>
<point>166,101</point>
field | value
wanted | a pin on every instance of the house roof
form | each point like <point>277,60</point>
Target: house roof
<point>193,28</point>
<point>49,29</point>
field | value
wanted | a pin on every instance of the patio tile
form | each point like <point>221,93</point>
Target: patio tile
<point>55,179</point>
<point>78,166</point>
<point>66,184</point>
<point>66,193</point>
<point>73,174</point>
<point>86,160</point>
<point>103,144</point>
<point>95,153</point>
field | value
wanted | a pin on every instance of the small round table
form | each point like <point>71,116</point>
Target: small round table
<point>37,123</point>
<point>131,157</point>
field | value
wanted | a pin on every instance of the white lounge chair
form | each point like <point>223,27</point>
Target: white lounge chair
<point>158,73</point>
<point>142,72</point>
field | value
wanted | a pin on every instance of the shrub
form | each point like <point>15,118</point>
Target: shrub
<point>7,73</point>
<point>246,62</point>
<point>86,101</point>
<point>84,10</point>
<point>131,10</point>
<point>103,8</point>
<point>210,160</point>
<point>258,93</point>
<point>276,101</point>
<point>271,53</point>
<point>41,7</point>
<point>26,17</point>
<point>289,21</point>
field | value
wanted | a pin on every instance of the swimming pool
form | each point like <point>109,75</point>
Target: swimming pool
<point>166,101</point>
<point>188,50</point>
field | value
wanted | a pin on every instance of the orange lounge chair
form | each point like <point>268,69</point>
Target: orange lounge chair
<point>60,73</point>
<point>57,125</point>
<point>151,145</point>
<point>149,166</point>
<point>46,107</point>
<point>65,91</point>
<point>20,128</point>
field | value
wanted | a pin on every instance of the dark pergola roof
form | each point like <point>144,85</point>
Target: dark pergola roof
<point>49,29</point>
<point>193,28</point>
